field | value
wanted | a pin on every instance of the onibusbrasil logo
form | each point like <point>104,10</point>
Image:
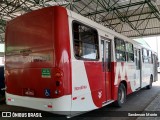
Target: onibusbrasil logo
<point>20,114</point>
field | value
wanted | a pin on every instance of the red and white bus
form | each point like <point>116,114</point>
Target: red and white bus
<point>57,60</point>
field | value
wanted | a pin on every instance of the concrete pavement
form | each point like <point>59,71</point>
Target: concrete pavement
<point>153,108</point>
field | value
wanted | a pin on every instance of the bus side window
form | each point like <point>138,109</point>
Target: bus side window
<point>129,52</point>
<point>120,50</point>
<point>145,56</point>
<point>77,50</point>
<point>150,57</point>
<point>85,41</point>
<point>137,58</point>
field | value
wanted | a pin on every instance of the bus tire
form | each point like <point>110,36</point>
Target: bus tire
<point>150,84</point>
<point>121,96</point>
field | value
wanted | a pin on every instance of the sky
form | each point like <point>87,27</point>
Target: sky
<point>1,47</point>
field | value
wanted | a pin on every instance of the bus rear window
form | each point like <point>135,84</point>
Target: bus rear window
<point>85,40</point>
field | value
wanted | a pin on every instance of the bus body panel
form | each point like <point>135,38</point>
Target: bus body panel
<point>147,71</point>
<point>38,55</point>
<point>50,105</point>
<point>99,76</point>
<point>82,99</point>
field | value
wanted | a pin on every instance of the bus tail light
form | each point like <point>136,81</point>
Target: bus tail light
<point>57,92</point>
<point>58,73</point>
<point>10,99</point>
<point>58,80</point>
<point>50,106</point>
<point>58,83</point>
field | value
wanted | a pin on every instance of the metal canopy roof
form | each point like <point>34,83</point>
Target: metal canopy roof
<point>133,18</point>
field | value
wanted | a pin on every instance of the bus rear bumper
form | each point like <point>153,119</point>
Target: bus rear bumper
<point>60,105</point>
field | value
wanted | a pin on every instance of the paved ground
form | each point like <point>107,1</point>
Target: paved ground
<point>138,101</point>
<point>154,110</point>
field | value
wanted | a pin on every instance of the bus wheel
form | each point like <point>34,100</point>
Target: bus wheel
<point>121,95</point>
<point>150,84</point>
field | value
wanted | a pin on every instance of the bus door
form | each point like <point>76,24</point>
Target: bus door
<point>106,66</point>
<point>155,66</point>
<point>138,68</point>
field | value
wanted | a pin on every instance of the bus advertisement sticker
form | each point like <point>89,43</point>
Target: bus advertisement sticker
<point>46,73</point>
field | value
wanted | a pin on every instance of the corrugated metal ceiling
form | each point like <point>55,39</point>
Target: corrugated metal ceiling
<point>133,18</point>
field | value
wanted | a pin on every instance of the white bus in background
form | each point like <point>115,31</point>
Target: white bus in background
<point>158,67</point>
<point>1,61</point>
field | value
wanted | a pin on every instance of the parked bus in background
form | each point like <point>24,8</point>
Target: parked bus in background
<point>158,67</point>
<point>57,60</point>
<point>2,84</point>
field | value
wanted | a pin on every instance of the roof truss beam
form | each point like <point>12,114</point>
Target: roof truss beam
<point>153,8</point>
<point>115,8</point>
<point>122,18</point>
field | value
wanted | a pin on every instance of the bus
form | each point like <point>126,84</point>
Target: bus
<point>62,62</point>
<point>158,67</point>
<point>2,84</point>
